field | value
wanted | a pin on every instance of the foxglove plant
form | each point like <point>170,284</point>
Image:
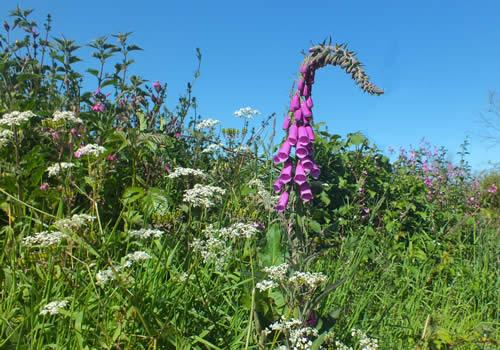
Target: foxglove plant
<point>297,152</point>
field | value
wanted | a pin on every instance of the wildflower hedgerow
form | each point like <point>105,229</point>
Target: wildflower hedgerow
<point>127,247</point>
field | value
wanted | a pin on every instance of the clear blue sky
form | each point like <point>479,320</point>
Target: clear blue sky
<point>436,60</point>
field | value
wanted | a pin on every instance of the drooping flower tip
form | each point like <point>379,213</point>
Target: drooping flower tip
<point>295,102</point>
<point>282,202</point>
<point>157,86</point>
<point>98,107</point>
<point>286,123</point>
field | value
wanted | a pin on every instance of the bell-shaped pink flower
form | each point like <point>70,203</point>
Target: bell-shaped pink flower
<point>277,186</point>
<point>307,164</point>
<point>293,134</point>
<point>286,123</point>
<point>306,92</point>
<point>276,160</point>
<point>295,103</point>
<point>301,152</point>
<point>303,136</point>
<point>310,132</point>
<point>300,85</point>
<point>309,102</point>
<point>306,112</point>
<point>300,175</point>
<point>284,151</point>
<point>282,202</point>
<point>304,69</point>
<point>305,192</point>
<point>286,172</point>
<point>315,172</point>
<point>298,115</point>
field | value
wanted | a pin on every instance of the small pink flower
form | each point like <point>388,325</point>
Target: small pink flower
<point>492,189</point>
<point>167,168</point>
<point>55,135</point>
<point>177,135</point>
<point>78,154</point>
<point>44,186</point>
<point>112,157</point>
<point>98,107</point>
<point>157,86</point>
<point>74,132</point>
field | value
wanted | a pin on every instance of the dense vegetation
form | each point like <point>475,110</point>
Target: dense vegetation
<point>127,224</point>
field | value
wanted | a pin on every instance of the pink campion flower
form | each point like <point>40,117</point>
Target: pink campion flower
<point>177,135</point>
<point>44,187</point>
<point>78,154</point>
<point>98,107</point>
<point>112,157</point>
<point>492,189</point>
<point>428,182</point>
<point>55,135</point>
<point>282,202</point>
<point>74,132</point>
<point>157,86</point>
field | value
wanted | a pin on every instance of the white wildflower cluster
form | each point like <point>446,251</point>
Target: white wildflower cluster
<point>103,277</point>
<point>365,342</point>
<point>309,280</point>
<point>5,137</point>
<point>276,274</point>
<point>183,277</point>
<point>299,337</point>
<point>53,307</point>
<point>56,168</point>
<point>16,118</point>
<point>67,117</point>
<point>178,172</point>
<point>266,198</point>
<point>246,113</point>
<point>207,124</point>
<point>145,233</point>
<point>90,149</point>
<point>239,230</point>
<point>341,346</point>
<point>75,223</point>
<point>203,196</point>
<point>212,148</point>
<point>44,239</point>
<point>213,248</point>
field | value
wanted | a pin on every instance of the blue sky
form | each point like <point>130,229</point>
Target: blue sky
<point>436,60</point>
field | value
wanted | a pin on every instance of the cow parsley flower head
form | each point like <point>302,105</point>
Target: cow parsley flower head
<point>16,118</point>
<point>136,257</point>
<point>310,280</point>
<point>5,137</point>
<point>178,172</point>
<point>246,113</point>
<point>266,285</point>
<point>67,117</point>
<point>53,307</point>
<point>44,239</point>
<point>56,168</point>
<point>145,233</point>
<point>365,342</point>
<point>239,230</point>
<point>207,124</point>
<point>277,272</point>
<point>212,248</point>
<point>214,147</point>
<point>203,196</point>
<point>299,337</point>
<point>90,149</point>
<point>76,222</point>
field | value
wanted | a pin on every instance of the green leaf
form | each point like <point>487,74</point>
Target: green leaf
<point>272,253</point>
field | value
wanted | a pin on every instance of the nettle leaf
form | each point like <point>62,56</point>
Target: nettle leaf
<point>356,139</point>
<point>315,226</point>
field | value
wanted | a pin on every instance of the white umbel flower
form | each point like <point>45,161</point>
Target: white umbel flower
<point>246,113</point>
<point>16,118</point>
<point>67,117</point>
<point>145,233</point>
<point>44,239</point>
<point>90,149</point>
<point>76,222</point>
<point>277,272</point>
<point>178,172</point>
<point>311,280</point>
<point>266,285</point>
<point>239,230</point>
<point>5,137</point>
<point>212,148</point>
<point>203,196</point>
<point>53,307</point>
<point>56,168</point>
<point>207,124</point>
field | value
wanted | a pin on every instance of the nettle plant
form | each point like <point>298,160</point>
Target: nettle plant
<point>298,293</point>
